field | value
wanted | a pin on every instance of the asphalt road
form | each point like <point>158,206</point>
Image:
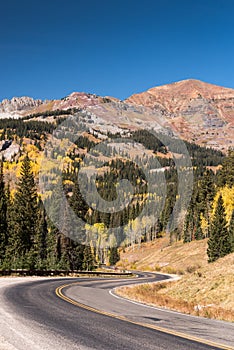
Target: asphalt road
<point>48,314</point>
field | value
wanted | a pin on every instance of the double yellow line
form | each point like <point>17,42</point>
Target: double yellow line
<point>60,294</point>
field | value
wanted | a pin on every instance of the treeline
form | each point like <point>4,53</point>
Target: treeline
<point>196,224</point>
<point>207,214</point>
<point>57,112</point>
<point>203,156</point>
<point>130,219</point>
<point>32,129</point>
<point>149,140</point>
<point>200,156</point>
<point>27,237</point>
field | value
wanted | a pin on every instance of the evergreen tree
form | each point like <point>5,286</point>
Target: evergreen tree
<point>88,261</point>
<point>114,256</point>
<point>59,252</point>
<point>207,188</point>
<point>219,243</point>
<point>75,255</point>
<point>201,202</point>
<point>3,217</point>
<point>78,203</point>
<point>10,228</point>
<point>198,234</point>
<point>205,196</point>
<point>40,247</point>
<point>188,227</point>
<point>226,174</point>
<point>25,217</point>
<point>170,201</point>
<point>52,246</point>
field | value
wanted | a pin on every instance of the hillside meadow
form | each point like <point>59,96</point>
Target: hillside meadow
<point>203,289</point>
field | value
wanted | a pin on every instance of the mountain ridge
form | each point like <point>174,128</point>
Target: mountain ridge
<point>200,112</point>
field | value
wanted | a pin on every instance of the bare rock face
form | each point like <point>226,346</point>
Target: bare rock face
<point>79,100</point>
<point>82,100</point>
<point>198,111</point>
<point>19,104</point>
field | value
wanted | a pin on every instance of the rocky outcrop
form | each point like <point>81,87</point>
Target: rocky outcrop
<point>19,104</point>
<point>198,111</point>
<point>8,149</point>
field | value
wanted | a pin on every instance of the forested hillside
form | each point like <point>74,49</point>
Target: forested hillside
<point>30,239</point>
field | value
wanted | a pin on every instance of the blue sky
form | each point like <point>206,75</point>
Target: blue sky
<point>49,48</point>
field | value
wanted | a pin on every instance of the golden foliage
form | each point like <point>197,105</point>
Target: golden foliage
<point>228,199</point>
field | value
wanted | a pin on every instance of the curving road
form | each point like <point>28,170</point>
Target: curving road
<point>84,313</point>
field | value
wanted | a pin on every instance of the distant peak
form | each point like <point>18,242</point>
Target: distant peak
<point>205,85</point>
<point>188,82</point>
<point>191,80</point>
<point>19,104</point>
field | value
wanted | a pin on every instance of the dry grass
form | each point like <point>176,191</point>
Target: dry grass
<point>207,291</point>
<point>159,255</point>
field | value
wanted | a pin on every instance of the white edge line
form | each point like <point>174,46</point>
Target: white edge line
<point>113,293</point>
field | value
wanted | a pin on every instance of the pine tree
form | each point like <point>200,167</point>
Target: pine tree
<point>78,203</point>
<point>114,256</point>
<point>3,217</point>
<point>219,243</point>
<point>188,227</point>
<point>25,217</point>
<point>75,255</point>
<point>52,246</point>
<point>40,246</point>
<point>198,234</point>
<point>10,228</point>
<point>205,196</point>
<point>226,174</point>
<point>88,261</point>
<point>207,188</point>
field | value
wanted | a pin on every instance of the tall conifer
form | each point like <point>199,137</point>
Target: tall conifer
<point>25,216</point>
<point>219,243</point>
<point>3,217</point>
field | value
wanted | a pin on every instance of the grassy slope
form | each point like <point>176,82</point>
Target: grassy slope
<point>204,289</point>
<point>161,256</point>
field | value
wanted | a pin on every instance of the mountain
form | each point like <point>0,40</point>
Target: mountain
<point>18,106</point>
<point>198,111</point>
<point>74,100</point>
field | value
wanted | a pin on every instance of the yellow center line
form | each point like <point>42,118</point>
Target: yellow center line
<point>59,293</point>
